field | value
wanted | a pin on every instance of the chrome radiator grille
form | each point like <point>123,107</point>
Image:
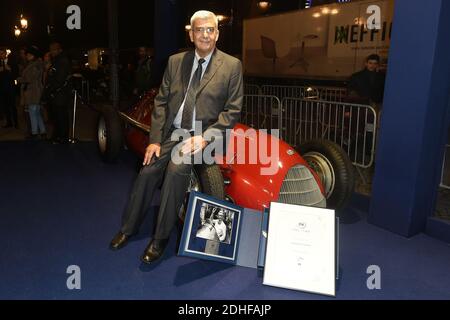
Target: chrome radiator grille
<point>299,187</point>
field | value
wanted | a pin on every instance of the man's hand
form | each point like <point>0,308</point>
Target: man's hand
<point>153,149</point>
<point>193,145</point>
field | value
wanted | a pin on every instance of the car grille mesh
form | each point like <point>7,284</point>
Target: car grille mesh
<point>299,187</point>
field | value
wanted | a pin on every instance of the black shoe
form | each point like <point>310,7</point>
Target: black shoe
<point>8,125</point>
<point>154,250</point>
<point>119,241</point>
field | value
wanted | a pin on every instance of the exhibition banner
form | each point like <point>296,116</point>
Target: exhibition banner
<point>323,42</point>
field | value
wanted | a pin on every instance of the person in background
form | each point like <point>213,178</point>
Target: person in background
<point>32,87</point>
<point>8,90</point>
<point>367,86</point>
<point>22,60</point>
<point>47,64</point>
<point>143,71</point>
<point>47,60</point>
<point>22,107</point>
<point>58,93</point>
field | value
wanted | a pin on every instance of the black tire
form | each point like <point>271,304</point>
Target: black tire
<point>210,182</point>
<point>344,176</point>
<point>110,139</point>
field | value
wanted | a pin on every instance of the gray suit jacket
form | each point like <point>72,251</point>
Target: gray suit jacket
<point>219,98</point>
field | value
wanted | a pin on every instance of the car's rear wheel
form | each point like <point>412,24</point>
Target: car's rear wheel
<point>109,134</point>
<point>207,179</point>
<point>334,169</point>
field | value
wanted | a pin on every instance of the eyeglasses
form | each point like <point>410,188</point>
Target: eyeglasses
<point>201,30</point>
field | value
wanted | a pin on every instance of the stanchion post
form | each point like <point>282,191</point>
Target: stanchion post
<point>72,139</point>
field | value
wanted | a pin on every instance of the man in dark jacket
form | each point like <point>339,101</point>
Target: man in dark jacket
<point>7,90</point>
<point>367,86</point>
<point>58,93</point>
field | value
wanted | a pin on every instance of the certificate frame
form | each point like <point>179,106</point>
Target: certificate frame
<point>301,249</point>
<point>211,229</point>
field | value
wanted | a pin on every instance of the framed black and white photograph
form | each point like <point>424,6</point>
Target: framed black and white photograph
<point>211,229</point>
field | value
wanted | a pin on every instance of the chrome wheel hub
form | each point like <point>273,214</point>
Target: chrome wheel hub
<point>322,166</point>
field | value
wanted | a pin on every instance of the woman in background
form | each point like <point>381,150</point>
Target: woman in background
<point>32,87</point>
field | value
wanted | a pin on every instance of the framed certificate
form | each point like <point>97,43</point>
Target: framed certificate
<point>211,229</point>
<point>301,249</point>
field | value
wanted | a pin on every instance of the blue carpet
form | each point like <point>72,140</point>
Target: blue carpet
<point>61,205</point>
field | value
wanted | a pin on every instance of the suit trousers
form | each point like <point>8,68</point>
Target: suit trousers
<point>175,179</point>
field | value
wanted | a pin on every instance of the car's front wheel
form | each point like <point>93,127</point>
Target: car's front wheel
<point>334,169</point>
<point>109,134</point>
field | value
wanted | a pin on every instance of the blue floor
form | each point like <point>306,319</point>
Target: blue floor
<point>60,206</point>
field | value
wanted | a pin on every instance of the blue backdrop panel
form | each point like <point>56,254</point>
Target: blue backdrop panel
<point>414,120</point>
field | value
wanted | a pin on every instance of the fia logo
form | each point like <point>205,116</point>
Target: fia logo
<point>301,225</point>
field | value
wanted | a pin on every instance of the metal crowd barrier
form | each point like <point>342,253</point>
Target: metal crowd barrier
<point>81,84</point>
<point>282,92</point>
<point>332,93</point>
<point>261,111</point>
<point>352,126</point>
<point>251,89</point>
<point>307,113</point>
<point>307,92</point>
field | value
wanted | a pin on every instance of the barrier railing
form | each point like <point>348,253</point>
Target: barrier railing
<point>251,89</point>
<point>352,126</point>
<point>332,93</point>
<point>261,111</point>
<point>81,84</point>
<point>307,92</point>
<point>282,92</point>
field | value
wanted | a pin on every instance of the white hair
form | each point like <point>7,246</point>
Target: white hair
<point>204,14</point>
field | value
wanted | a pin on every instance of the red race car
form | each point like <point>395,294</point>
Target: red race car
<point>321,176</point>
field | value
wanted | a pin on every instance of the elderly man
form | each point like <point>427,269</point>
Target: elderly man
<point>200,88</point>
